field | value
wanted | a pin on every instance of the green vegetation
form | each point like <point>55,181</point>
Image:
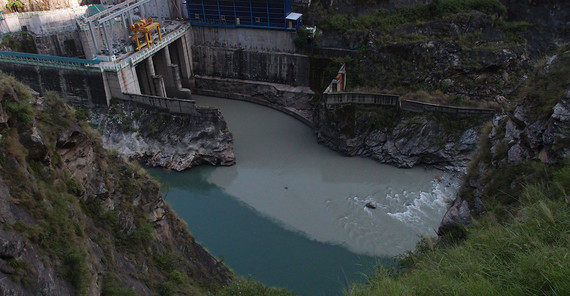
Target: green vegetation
<point>524,255</point>
<point>388,20</point>
<point>16,99</point>
<point>402,49</point>
<point>66,217</point>
<point>547,84</point>
<point>19,42</point>
<point>112,287</point>
<point>59,230</point>
<point>249,287</point>
<point>15,6</point>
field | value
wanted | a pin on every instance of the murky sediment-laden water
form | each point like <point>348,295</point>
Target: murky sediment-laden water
<point>293,213</point>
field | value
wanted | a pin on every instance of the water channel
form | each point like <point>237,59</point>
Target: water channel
<point>292,213</point>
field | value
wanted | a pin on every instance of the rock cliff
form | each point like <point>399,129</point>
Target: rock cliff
<point>78,220</point>
<point>472,53</point>
<point>401,139</point>
<point>465,54</point>
<point>173,141</point>
<point>514,145</point>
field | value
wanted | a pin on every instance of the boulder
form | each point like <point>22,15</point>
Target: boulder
<point>457,216</point>
<point>11,245</point>
<point>36,145</point>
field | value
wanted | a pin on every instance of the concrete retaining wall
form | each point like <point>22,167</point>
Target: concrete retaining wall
<point>334,100</point>
<point>43,22</point>
<point>79,88</point>
<point>294,101</point>
<point>55,32</point>
<point>415,106</point>
<point>63,44</point>
<point>174,106</point>
<point>345,98</point>
<point>274,67</point>
<point>245,38</point>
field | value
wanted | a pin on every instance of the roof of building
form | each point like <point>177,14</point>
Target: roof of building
<point>293,16</point>
<point>95,9</point>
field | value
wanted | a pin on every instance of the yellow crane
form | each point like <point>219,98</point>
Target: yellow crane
<point>144,28</point>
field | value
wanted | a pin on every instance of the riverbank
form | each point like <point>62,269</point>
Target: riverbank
<point>402,139</point>
<point>158,138</point>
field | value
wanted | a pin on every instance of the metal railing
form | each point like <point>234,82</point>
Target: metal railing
<point>50,61</point>
<point>171,105</point>
<point>345,98</point>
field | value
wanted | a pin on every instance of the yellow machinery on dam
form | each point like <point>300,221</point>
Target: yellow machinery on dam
<point>144,28</point>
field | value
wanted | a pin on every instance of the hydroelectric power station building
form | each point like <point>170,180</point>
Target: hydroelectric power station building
<point>266,14</point>
<point>151,51</point>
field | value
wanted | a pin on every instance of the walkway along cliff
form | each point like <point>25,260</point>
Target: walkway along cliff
<point>404,133</point>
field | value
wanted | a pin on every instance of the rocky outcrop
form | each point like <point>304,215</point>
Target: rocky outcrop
<point>450,64</point>
<point>404,141</point>
<point>457,215</point>
<point>173,141</point>
<point>76,220</point>
<point>523,135</point>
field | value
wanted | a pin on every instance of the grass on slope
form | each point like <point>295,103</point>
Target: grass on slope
<point>65,221</point>
<point>529,255</point>
<point>249,287</point>
<point>387,20</point>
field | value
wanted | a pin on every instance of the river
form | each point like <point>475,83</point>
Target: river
<point>292,213</point>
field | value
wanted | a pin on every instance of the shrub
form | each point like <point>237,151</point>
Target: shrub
<point>387,20</point>
<point>75,269</point>
<point>15,6</point>
<point>249,287</point>
<point>112,287</point>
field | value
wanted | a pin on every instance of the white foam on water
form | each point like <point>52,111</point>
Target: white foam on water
<point>421,208</point>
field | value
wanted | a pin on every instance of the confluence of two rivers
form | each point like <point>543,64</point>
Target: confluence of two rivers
<point>292,213</point>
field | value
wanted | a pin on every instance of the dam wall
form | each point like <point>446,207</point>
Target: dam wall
<point>78,87</point>
<point>253,65</point>
<point>54,32</point>
<point>237,63</point>
<point>245,38</point>
<point>295,101</point>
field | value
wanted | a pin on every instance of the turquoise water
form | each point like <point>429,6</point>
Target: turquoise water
<point>252,244</point>
<point>291,213</point>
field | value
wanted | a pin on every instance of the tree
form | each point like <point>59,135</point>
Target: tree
<point>15,6</point>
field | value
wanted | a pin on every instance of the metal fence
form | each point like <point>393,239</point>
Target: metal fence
<point>50,61</point>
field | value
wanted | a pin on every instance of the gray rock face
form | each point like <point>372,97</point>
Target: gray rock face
<point>512,142</point>
<point>546,140</point>
<point>171,141</point>
<point>3,115</point>
<point>458,214</point>
<point>465,55</point>
<point>10,245</point>
<point>412,141</point>
<point>80,168</point>
<point>44,279</point>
